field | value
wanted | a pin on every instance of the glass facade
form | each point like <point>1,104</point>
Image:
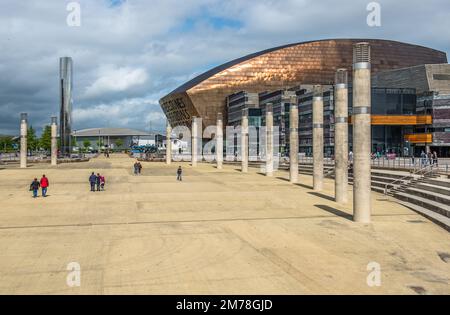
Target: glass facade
<point>387,137</point>
<point>390,101</point>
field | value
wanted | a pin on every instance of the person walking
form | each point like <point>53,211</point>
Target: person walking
<point>92,181</point>
<point>435,158</point>
<point>139,168</point>
<point>179,174</point>
<point>35,187</point>
<point>97,181</point>
<point>423,158</point>
<point>135,168</point>
<point>102,182</point>
<point>44,185</point>
<point>430,158</point>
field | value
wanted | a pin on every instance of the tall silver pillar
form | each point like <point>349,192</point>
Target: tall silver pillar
<point>168,144</point>
<point>269,140</point>
<point>65,124</point>
<point>23,140</point>
<point>318,137</point>
<point>293,141</point>
<point>341,136</point>
<point>194,149</point>
<point>54,143</point>
<point>244,141</point>
<point>219,142</point>
<point>361,133</point>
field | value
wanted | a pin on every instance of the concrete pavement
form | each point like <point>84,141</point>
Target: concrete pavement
<point>217,232</point>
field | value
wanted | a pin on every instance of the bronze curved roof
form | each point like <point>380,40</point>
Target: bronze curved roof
<point>312,62</point>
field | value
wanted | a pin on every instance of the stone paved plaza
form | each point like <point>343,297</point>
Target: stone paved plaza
<point>217,232</point>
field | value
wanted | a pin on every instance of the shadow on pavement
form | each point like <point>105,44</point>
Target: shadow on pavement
<point>321,196</point>
<point>334,211</point>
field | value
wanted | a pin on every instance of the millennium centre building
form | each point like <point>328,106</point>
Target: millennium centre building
<point>415,77</point>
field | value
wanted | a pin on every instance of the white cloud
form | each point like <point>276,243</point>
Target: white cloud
<point>135,113</point>
<point>126,57</point>
<point>116,80</point>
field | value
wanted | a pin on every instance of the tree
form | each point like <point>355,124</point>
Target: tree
<point>86,144</point>
<point>100,144</point>
<point>32,140</point>
<point>46,139</point>
<point>119,143</point>
<point>74,143</point>
<point>6,143</point>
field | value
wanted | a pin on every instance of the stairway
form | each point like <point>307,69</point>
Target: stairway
<point>428,196</point>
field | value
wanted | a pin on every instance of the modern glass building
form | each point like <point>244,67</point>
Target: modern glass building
<point>394,118</point>
<point>313,62</point>
<point>410,99</point>
<point>431,129</point>
<point>281,101</point>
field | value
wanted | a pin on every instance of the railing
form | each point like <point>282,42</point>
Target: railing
<point>409,163</point>
<point>422,172</point>
<point>329,173</point>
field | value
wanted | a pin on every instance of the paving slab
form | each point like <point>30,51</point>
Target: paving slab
<point>217,232</point>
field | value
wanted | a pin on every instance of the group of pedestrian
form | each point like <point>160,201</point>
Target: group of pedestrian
<point>430,158</point>
<point>97,181</point>
<point>137,168</point>
<point>36,184</point>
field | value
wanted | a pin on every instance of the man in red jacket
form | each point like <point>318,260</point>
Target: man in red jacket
<point>44,185</point>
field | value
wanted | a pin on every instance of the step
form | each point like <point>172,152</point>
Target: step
<point>390,179</point>
<point>434,188</point>
<point>431,215</point>
<point>392,176</point>
<point>378,189</point>
<point>437,182</point>
<point>383,184</point>
<point>431,205</point>
<point>441,198</point>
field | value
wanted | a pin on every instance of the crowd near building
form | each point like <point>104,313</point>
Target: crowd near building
<point>410,94</point>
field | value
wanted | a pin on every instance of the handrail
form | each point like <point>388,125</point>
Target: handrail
<point>410,175</point>
<point>333,170</point>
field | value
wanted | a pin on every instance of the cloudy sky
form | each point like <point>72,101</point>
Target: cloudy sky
<point>127,54</point>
